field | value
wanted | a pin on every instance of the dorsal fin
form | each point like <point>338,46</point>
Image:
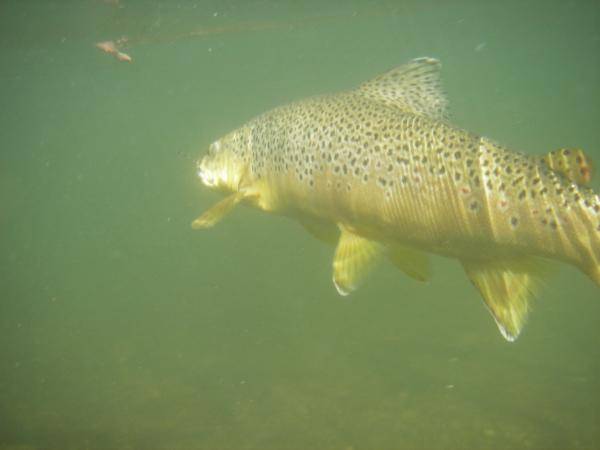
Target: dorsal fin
<point>413,87</point>
<point>572,163</point>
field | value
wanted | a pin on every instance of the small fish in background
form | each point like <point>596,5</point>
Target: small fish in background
<point>112,48</point>
<point>379,172</point>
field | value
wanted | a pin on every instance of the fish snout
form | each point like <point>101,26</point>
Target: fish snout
<point>205,173</point>
<point>219,168</point>
<point>208,166</point>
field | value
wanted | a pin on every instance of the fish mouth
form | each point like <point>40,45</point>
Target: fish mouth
<point>212,173</point>
<point>207,176</point>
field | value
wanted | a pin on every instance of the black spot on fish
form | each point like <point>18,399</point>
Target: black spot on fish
<point>517,180</point>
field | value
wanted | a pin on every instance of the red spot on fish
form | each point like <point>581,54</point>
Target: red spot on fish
<point>465,190</point>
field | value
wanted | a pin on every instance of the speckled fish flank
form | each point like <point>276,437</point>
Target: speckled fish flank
<point>380,172</point>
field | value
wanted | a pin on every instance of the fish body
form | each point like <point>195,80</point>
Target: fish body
<point>379,171</point>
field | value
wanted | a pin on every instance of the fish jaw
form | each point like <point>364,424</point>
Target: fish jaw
<point>220,168</point>
<point>208,174</point>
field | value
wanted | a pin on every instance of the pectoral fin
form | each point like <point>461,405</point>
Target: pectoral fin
<point>354,259</point>
<point>507,286</point>
<point>412,262</point>
<point>214,214</point>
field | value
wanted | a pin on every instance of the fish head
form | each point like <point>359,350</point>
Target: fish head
<point>225,164</point>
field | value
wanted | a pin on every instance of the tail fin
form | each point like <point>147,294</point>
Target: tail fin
<point>585,235</point>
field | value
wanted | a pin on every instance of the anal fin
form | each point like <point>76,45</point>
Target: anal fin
<point>507,287</point>
<point>214,214</point>
<point>413,263</point>
<point>354,259</point>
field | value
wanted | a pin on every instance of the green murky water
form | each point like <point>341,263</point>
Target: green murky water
<point>121,328</point>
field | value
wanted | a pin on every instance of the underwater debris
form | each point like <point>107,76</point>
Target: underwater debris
<point>112,48</point>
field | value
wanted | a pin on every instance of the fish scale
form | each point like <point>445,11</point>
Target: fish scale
<point>380,172</point>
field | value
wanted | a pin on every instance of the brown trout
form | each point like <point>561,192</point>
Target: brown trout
<point>379,172</point>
